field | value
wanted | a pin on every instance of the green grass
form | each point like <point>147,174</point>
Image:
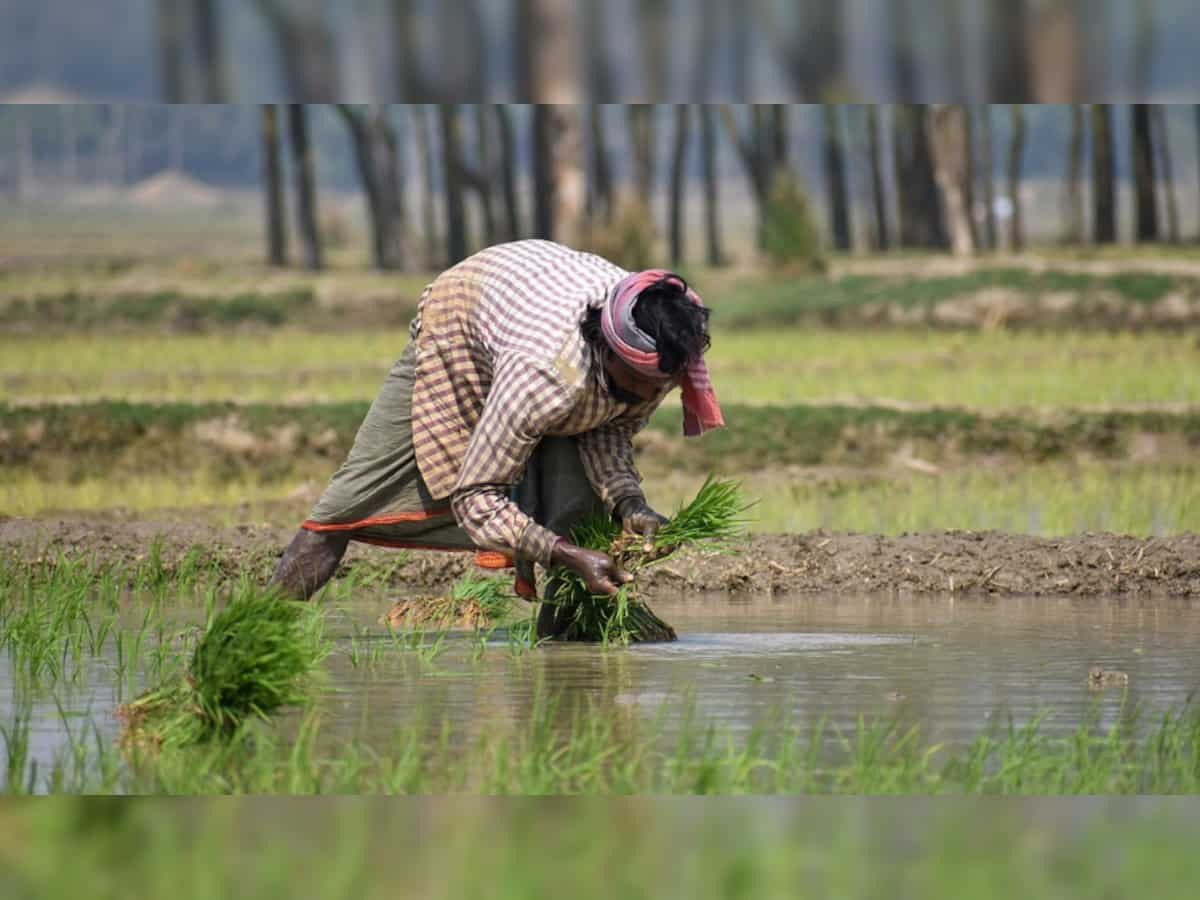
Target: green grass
<point>993,371</point>
<point>1045,500</point>
<point>475,848</point>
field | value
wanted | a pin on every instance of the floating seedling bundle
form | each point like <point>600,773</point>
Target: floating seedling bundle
<point>260,653</point>
<point>474,601</point>
<point>714,517</point>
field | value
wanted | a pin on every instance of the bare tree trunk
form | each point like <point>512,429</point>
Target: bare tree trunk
<point>306,48</point>
<point>306,199</point>
<point>652,27</point>
<point>569,173</point>
<point>835,178</point>
<point>678,173</point>
<point>641,133</point>
<point>484,179</point>
<point>904,60</point>
<point>712,215</point>
<point>421,129</point>
<point>1145,14</point>
<point>1016,150</point>
<point>1008,61</point>
<point>170,50</point>
<point>1056,57</point>
<point>809,48</point>
<point>452,188</point>
<point>543,173</point>
<point>757,160</point>
<point>1072,192</point>
<point>601,180</point>
<point>548,55</point>
<point>988,174</point>
<point>1168,172</point>
<point>882,240</point>
<point>1144,181</point>
<point>374,149</point>
<point>954,58</point>
<point>1104,179</point>
<point>508,178</point>
<point>948,130</point>
<point>209,50</point>
<point>410,82</point>
<point>273,188</point>
<point>1196,116</point>
<point>921,220</point>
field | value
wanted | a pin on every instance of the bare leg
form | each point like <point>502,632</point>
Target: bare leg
<point>309,561</point>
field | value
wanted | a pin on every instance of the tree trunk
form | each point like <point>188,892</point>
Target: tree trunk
<point>1143,47</point>
<point>374,150</point>
<point>1008,61</point>
<point>508,176</point>
<point>1168,171</point>
<point>678,174</point>
<point>170,50</point>
<point>752,148</point>
<point>548,58</point>
<point>409,80</point>
<point>209,50</point>
<point>954,58</point>
<point>569,173</point>
<point>1072,192</point>
<point>1144,182</point>
<point>1196,116</point>
<point>921,220</point>
<point>1056,56</point>
<point>306,49</point>
<point>641,133</point>
<point>948,130</point>
<point>712,214</point>
<point>1104,178</point>
<point>988,174</point>
<point>882,240</point>
<point>452,187</point>
<point>601,180</point>
<point>428,177</point>
<point>273,188</point>
<point>484,180</point>
<point>1016,150</point>
<point>543,173</point>
<point>306,199</point>
<point>809,49</point>
<point>904,60</point>
<point>652,28</point>
<point>835,178</point>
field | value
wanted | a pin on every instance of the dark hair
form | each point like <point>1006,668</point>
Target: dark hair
<point>678,326</point>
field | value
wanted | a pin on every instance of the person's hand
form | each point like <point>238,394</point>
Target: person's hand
<point>598,571</point>
<point>638,518</point>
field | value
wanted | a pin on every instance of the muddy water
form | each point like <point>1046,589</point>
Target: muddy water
<point>950,665</point>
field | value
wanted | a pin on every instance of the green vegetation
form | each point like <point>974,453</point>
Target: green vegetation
<point>992,371</point>
<point>136,848</point>
<point>713,516</point>
<point>257,655</point>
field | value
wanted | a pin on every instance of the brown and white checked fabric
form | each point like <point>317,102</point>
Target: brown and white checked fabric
<point>500,363</point>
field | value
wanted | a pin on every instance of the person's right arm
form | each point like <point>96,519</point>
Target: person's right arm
<point>523,404</point>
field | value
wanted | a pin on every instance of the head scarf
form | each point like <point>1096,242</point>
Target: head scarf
<point>637,349</point>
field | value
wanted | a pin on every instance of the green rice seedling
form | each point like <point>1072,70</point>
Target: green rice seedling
<point>473,601</point>
<point>714,517</point>
<point>257,655</point>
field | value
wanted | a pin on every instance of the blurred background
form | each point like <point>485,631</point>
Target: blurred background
<point>568,51</point>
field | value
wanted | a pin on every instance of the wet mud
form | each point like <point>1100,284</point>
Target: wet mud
<point>954,562</point>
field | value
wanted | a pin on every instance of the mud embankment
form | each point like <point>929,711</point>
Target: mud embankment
<point>947,562</point>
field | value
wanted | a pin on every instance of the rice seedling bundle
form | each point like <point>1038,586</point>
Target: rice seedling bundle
<point>474,601</point>
<point>714,517</point>
<point>257,655</point>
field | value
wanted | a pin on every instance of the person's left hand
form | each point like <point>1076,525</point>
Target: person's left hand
<point>638,518</point>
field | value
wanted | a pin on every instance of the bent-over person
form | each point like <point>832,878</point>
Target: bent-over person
<point>510,417</point>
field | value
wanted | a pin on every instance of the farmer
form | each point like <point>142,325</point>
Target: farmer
<point>510,416</point>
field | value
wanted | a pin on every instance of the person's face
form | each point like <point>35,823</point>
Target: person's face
<point>627,385</point>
